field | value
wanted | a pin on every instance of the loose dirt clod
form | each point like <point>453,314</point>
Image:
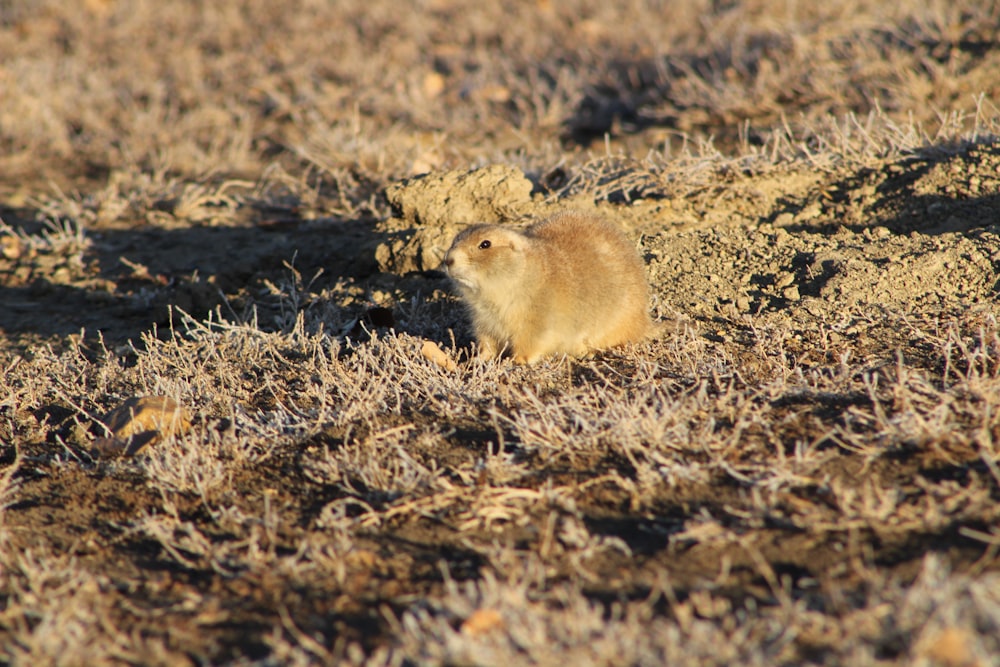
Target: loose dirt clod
<point>10,246</point>
<point>482,621</point>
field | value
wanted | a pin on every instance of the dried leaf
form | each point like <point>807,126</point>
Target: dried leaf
<point>141,421</point>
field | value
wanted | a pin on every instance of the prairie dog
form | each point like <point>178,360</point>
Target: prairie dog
<point>570,284</point>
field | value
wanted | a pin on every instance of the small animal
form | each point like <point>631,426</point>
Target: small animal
<point>570,284</point>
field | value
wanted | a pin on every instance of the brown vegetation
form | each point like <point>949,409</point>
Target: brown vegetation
<point>222,204</point>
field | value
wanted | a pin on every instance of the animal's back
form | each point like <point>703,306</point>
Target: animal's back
<point>596,290</point>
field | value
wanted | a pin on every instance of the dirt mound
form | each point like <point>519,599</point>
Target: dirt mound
<point>429,210</point>
<point>918,233</point>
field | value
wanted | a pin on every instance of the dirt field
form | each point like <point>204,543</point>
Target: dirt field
<point>241,206</point>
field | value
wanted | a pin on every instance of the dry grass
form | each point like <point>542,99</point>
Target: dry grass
<point>364,96</point>
<point>573,482</point>
<point>803,468</point>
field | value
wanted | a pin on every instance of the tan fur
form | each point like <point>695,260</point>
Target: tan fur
<point>570,284</point>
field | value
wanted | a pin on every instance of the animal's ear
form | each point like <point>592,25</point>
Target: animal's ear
<point>516,241</point>
<point>466,231</point>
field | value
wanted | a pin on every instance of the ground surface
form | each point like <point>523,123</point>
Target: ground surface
<point>241,208</point>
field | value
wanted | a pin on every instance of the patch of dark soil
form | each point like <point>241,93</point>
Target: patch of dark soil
<point>125,281</point>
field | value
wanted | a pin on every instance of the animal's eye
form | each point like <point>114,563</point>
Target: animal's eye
<point>485,244</point>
